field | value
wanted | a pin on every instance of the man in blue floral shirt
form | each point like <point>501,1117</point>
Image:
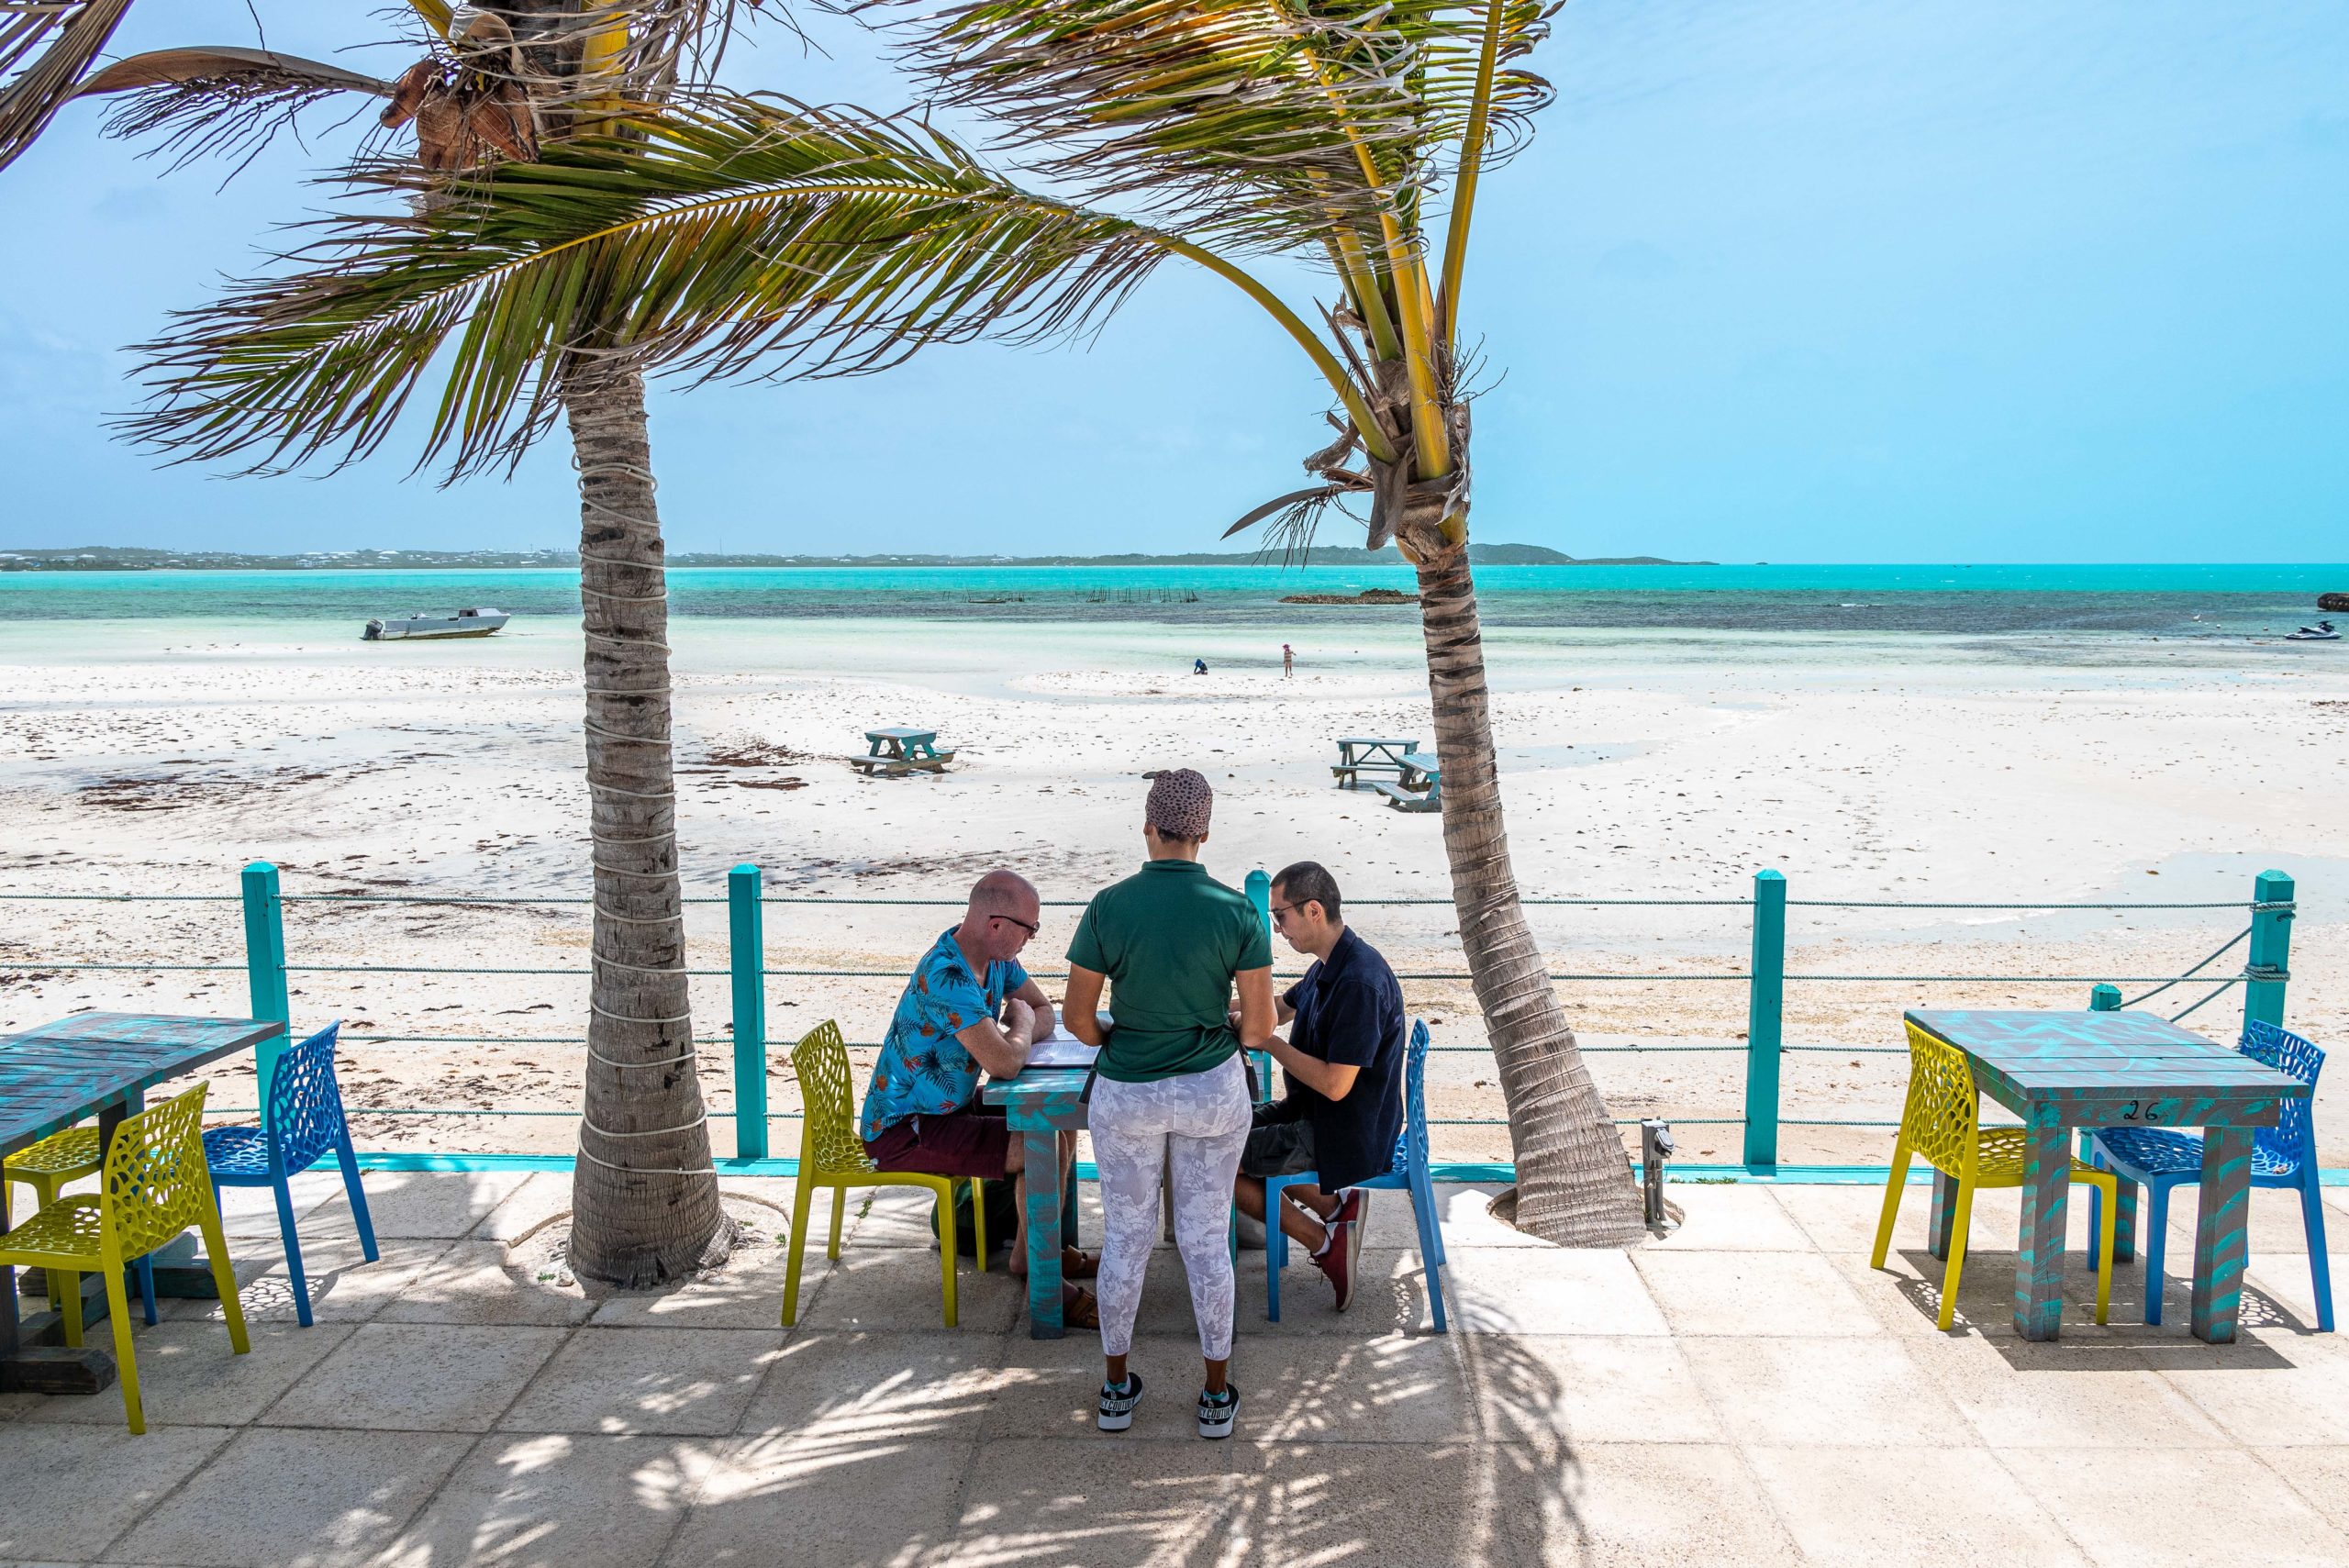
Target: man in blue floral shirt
<point>969,1006</point>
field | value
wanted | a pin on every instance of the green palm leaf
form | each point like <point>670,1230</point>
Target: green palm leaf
<point>744,236</point>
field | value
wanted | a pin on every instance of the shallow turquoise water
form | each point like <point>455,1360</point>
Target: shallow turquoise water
<point>2162,600</point>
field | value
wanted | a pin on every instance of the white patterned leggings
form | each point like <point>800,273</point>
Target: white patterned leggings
<point>1200,1122</point>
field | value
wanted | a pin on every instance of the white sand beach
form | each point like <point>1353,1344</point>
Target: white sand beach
<point>158,757</point>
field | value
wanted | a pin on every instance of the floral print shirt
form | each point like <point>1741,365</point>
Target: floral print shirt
<point>923,1069</point>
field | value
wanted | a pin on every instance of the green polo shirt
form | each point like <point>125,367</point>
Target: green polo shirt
<point>1170,937</point>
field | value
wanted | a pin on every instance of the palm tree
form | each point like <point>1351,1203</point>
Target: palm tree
<point>499,80</point>
<point>758,235</point>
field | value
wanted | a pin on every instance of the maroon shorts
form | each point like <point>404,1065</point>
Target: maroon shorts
<point>974,1142</point>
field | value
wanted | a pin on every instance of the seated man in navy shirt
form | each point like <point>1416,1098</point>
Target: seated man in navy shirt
<point>1343,1063</point>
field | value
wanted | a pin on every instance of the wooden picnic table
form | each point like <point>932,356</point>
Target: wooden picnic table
<point>1421,769</point>
<point>2059,1070</point>
<point>1039,1105</point>
<point>1358,754</point>
<point>52,1076</point>
<point>896,750</point>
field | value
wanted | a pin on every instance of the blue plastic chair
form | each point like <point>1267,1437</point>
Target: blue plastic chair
<point>1406,1171</point>
<point>2281,1156</point>
<point>304,1119</point>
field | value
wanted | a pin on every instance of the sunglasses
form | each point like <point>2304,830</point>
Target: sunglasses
<point>1031,929</point>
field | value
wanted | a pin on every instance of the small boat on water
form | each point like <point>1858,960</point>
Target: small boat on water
<point>2323,631</point>
<point>477,622</point>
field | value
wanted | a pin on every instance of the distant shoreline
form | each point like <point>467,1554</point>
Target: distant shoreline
<point>122,558</point>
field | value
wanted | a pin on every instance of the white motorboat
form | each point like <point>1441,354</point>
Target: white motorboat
<point>476,622</point>
<point>2323,631</point>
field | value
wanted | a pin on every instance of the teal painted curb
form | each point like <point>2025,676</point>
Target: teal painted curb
<point>1920,1174</point>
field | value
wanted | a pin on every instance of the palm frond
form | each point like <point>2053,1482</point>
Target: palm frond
<point>740,237</point>
<point>60,37</point>
<point>229,102</point>
<point>1263,122</point>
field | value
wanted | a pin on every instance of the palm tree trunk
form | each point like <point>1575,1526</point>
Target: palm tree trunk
<point>644,1195</point>
<point>1572,1184</point>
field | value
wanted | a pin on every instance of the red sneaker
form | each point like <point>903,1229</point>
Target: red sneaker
<point>1354,1213</point>
<point>1337,1263</point>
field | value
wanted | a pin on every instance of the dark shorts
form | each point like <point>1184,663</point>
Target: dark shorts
<point>1277,1149</point>
<point>975,1143</point>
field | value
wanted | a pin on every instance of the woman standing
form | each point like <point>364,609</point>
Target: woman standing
<point>1169,1085</point>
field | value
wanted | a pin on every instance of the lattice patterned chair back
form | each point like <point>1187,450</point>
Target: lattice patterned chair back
<point>305,1101</point>
<point>2289,1141</point>
<point>1943,1111</point>
<point>1411,1137</point>
<point>827,1097</point>
<point>156,1182</point>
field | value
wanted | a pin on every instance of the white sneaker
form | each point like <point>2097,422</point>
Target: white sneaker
<point>1217,1412</point>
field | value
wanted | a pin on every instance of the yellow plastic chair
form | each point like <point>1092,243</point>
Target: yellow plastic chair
<point>156,1186</point>
<point>60,1158</point>
<point>831,1155</point>
<point>1942,1124</point>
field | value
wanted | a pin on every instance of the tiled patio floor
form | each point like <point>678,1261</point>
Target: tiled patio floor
<point>1745,1391</point>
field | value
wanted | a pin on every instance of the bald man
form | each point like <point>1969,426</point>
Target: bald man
<point>969,1006</point>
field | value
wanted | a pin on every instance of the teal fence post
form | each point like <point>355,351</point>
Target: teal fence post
<point>747,957</point>
<point>1764,1018</point>
<point>1260,893</point>
<point>2105,999</point>
<point>266,964</point>
<point>2271,949</point>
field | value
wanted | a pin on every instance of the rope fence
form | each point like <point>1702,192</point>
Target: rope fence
<point>2263,976</point>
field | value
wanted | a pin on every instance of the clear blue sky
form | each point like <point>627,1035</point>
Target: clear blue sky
<point>1784,280</point>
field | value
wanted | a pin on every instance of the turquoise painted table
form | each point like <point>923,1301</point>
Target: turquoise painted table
<point>2059,1070</point>
<point>1358,754</point>
<point>1038,1106</point>
<point>52,1076</point>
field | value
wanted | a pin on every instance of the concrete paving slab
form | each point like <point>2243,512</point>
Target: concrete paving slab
<point>1341,1504</point>
<point>1868,1506</point>
<point>252,1211</point>
<point>1555,1290</point>
<point>472,1283</point>
<point>73,1489</point>
<point>344,1286</point>
<point>425,1205</point>
<point>879,1386</point>
<point>557,1501</point>
<point>1789,1294</point>
<point>897,1288</point>
<point>543,1196</point>
<point>679,1381</point>
<point>1639,1505</point>
<point>1810,1393</point>
<point>1390,1297</point>
<point>432,1377</point>
<point>1095,1502</point>
<point>1462,1207</point>
<point>837,1501</point>
<point>1398,1388</point>
<point>2290,1289</point>
<point>2152,1509</point>
<point>2320,1475</point>
<point>285,1499</point>
<point>743,1294</point>
<point>1047,1388</point>
<point>1587,1389</point>
<point>2069,1393</point>
<point>2261,1394</point>
<point>189,1375</point>
<point>2276,1230</point>
<point>1731,1219</point>
<point>1841,1217</point>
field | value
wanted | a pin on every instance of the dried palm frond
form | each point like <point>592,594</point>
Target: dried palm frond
<point>73,32</point>
<point>743,236</point>
<point>225,101</point>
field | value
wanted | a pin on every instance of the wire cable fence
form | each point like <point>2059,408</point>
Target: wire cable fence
<point>2264,973</point>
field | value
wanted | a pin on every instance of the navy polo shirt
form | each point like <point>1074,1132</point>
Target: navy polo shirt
<point>1349,1012</point>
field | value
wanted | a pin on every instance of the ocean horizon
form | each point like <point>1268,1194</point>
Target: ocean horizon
<point>2169,600</point>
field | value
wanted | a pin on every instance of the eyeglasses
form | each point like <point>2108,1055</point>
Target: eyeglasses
<point>1281,910</point>
<point>1031,929</point>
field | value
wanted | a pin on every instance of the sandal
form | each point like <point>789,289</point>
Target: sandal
<point>1080,1310</point>
<point>1077,1263</point>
